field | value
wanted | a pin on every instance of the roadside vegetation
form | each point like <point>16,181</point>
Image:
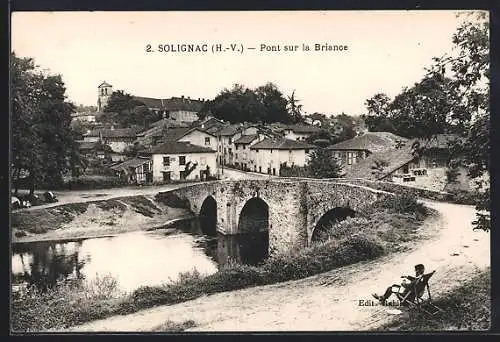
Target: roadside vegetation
<point>467,307</point>
<point>386,228</point>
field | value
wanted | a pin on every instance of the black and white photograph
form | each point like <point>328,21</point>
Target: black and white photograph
<point>250,171</point>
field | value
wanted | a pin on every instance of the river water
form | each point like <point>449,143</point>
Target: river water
<point>135,259</point>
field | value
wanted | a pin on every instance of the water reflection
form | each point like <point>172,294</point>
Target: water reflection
<point>136,258</point>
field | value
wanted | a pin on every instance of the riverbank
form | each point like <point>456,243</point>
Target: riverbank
<point>330,301</point>
<point>93,219</point>
<point>389,228</point>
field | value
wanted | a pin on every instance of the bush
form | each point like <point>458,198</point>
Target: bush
<point>401,204</point>
<point>95,182</point>
<point>172,200</point>
<point>463,197</point>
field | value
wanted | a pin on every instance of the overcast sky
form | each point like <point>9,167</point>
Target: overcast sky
<point>386,51</point>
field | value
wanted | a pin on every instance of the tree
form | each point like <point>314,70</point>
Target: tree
<point>377,118</point>
<point>322,164</point>
<point>125,111</point>
<point>294,109</point>
<point>43,143</point>
<point>241,104</point>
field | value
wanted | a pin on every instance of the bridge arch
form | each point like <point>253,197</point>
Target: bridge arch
<point>208,216</point>
<point>253,223</point>
<point>329,218</point>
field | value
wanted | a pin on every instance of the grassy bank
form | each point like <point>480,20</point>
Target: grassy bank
<point>391,223</point>
<point>80,220</point>
<point>467,307</point>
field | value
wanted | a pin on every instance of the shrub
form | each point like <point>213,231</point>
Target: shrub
<point>172,200</point>
<point>401,204</point>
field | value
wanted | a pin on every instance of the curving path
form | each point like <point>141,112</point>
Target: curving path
<point>329,301</point>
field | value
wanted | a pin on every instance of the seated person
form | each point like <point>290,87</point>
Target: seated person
<point>406,284</point>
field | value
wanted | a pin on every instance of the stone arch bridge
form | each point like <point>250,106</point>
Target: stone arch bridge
<point>294,206</point>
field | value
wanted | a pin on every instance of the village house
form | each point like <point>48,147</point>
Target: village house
<point>402,165</point>
<point>87,117</point>
<point>268,155</point>
<point>226,143</point>
<point>242,153</point>
<point>349,152</point>
<point>118,139</point>
<point>135,170</point>
<point>174,160</point>
<point>197,136</point>
<point>159,133</point>
<point>179,109</point>
<point>300,131</point>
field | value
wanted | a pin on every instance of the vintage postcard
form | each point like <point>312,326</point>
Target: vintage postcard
<point>258,171</point>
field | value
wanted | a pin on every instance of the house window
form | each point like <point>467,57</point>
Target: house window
<point>230,140</point>
<point>166,176</point>
<point>207,141</point>
<point>349,158</point>
<point>146,167</point>
<point>257,151</point>
<point>166,161</point>
<point>182,160</point>
<point>244,147</point>
<point>307,151</point>
<point>236,155</point>
<point>203,160</point>
<point>236,147</point>
<point>271,150</point>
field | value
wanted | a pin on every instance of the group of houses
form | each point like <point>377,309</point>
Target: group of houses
<point>169,152</point>
<point>182,147</point>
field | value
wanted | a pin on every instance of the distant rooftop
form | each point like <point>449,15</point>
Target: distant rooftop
<point>281,144</point>
<point>370,141</point>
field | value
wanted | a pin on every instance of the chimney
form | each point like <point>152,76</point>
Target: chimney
<point>182,97</point>
<point>189,98</point>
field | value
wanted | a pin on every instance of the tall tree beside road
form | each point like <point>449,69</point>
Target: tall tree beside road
<point>322,164</point>
<point>42,139</point>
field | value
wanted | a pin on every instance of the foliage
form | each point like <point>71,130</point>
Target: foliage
<point>43,143</point>
<point>38,312</point>
<point>125,111</point>
<point>378,167</point>
<point>264,104</point>
<point>402,204</point>
<point>294,171</point>
<point>322,164</point>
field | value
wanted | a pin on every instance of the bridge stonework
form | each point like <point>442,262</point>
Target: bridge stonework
<point>294,206</point>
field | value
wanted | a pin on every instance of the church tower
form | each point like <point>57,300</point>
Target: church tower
<point>104,91</point>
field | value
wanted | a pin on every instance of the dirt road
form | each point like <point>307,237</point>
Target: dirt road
<point>329,301</point>
<point>78,196</point>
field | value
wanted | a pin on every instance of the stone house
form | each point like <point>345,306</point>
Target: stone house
<point>179,109</point>
<point>136,170</point>
<point>402,165</point>
<point>175,160</point>
<point>268,155</point>
<point>351,151</point>
<point>242,153</point>
<point>198,136</point>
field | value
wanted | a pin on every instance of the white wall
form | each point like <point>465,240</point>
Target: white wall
<point>267,159</point>
<point>203,160</point>
<point>294,136</point>
<point>198,138</point>
<point>184,115</point>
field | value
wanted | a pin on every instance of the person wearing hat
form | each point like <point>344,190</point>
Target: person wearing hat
<point>402,288</point>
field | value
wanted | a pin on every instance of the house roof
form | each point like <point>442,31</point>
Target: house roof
<point>104,84</point>
<point>176,147</point>
<point>395,158</point>
<point>114,133</point>
<point>301,128</point>
<point>246,139</point>
<point>171,104</point>
<point>370,141</point>
<point>196,129</point>
<point>133,162</point>
<point>281,144</point>
<point>229,130</point>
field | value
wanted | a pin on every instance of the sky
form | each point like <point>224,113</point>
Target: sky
<point>386,50</point>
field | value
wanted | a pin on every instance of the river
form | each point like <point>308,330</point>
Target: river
<point>135,259</point>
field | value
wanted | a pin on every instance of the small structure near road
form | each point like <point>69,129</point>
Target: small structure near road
<point>136,170</point>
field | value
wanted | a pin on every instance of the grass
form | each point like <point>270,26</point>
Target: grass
<point>390,225</point>
<point>467,307</point>
<point>170,326</point>
<point>42,220</point>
